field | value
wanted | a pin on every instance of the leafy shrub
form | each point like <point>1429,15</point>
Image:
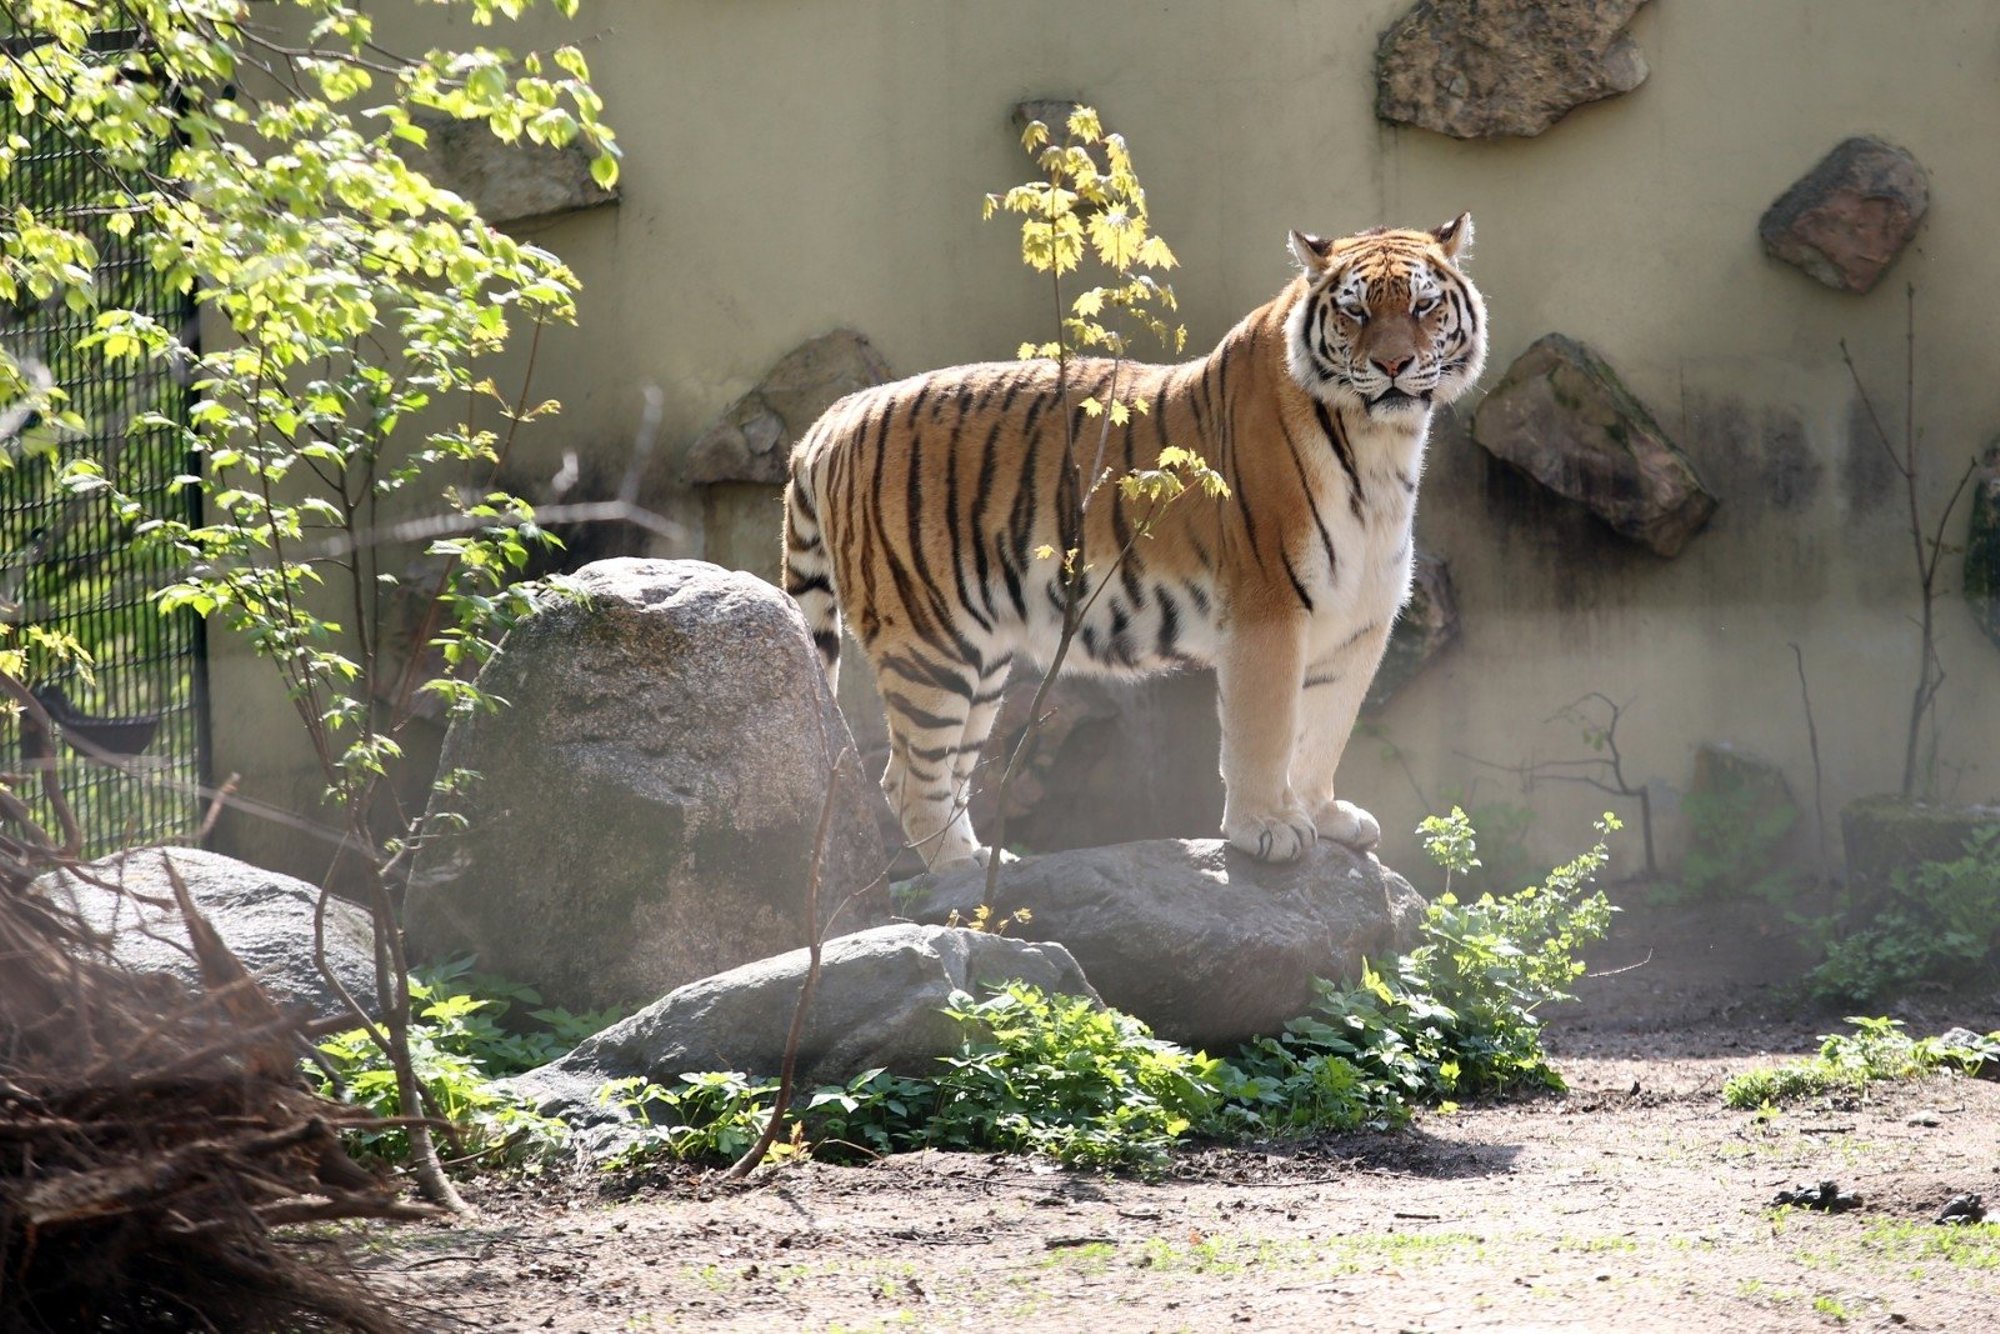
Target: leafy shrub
<point>1059,1076</point>
<point>710,1115</point>
<point>1877,1050</point>
<point>458,1047</point>
<point>873,1113</point>
<point>1457,1017</point>
<point>1940,924</point>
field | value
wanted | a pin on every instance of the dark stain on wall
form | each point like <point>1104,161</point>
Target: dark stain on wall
<point>1755,459</point>
<point>1868,475</point>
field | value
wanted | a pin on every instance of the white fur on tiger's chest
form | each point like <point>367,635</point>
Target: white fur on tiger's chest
<point>1367,578</point>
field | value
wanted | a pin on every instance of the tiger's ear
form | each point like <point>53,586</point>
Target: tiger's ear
<point>1310,251</point>
<point>1455,237</point>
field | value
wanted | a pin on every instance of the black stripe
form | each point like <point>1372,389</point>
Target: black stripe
<point>828,643</point>
<point>807,583</point>
<point>1325,539</point>
<point>951,521</point>
<point>922,717</point>
<point>1022,513</point>
<point>1243,508</point>
<point>915,667</point>
<point>1337,435</point>
<point>1199,596</point>
<point>1123,551</point>
<point>802,500</point>
<point>1297,587</point>
<point>1167,642</point>
<point>1013,581</point>
<point>981,493</point>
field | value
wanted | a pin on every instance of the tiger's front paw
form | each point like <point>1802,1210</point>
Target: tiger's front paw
<point>1284,837</point>
<point>1346,823</point>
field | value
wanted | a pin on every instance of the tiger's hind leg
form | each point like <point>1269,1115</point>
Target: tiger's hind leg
<point>931,708</point>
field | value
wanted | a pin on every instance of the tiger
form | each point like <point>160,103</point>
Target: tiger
<point>922,513</point>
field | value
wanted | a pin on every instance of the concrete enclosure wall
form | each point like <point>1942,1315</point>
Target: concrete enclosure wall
<point>793,166</point>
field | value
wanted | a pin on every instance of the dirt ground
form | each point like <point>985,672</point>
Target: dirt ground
<point>1636,1201</point>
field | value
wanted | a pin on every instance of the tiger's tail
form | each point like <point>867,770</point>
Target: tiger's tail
<point>808,569</point>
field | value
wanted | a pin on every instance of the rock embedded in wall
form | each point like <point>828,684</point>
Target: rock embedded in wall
<point>647,804</point>
<point>1845,221</point>
<point>516,182</point>
<point>753,439</point>
<point>1428,625</point>
<point>1563,417</point>
<point>1481,69</point>
<point>1054,112</point>
<point>1982,546</point>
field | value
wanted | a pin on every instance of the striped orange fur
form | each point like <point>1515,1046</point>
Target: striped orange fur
<point>915,510</point>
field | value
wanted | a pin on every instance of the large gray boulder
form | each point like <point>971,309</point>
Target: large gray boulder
<point>753,439</point>
<point>265,918</point>
<point>1563,417</point>
<point>1201,941</point>
<point>647,803</point>
<point>1477,69</point>
<point>879,1002</point>
<point>1845,221</point>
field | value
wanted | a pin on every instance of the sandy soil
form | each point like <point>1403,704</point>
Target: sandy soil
<point>1637,1201</point>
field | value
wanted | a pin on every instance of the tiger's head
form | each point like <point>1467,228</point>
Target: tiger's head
<point>1387,318</point>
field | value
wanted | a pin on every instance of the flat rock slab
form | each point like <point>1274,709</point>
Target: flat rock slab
<point>1198,939</point>
<point>1478,69</point>
<point>753,439</point>
<point>1563,417</point>
<point>879,1002</point>
<point>648,802</point>
<point>1845,221</point>
<point>265,918</point>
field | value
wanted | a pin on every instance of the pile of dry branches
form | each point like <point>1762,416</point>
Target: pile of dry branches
<point>153,1137</point>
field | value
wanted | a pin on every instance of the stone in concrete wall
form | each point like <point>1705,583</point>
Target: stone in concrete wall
<point>1845,221</point>
<point>752,440</point>
<point>1477,69</point>
<point>1563,417</point>
<point>1427,627</point>
<point>509,182</point>
<point>1982,546</point>
<point>1053,112</point>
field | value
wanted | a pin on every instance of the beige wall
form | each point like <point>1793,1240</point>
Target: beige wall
<point>796,165</point>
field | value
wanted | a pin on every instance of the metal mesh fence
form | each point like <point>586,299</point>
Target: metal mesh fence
<point>68,561</point>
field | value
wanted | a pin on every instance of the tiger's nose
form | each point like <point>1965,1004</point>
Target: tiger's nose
<point>1392,366</point>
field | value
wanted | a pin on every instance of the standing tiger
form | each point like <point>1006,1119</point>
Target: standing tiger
<point>915,510</point>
